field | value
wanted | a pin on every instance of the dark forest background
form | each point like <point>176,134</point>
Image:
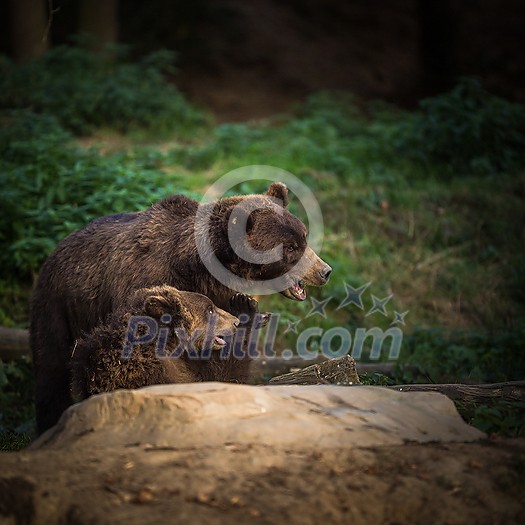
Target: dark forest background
<point>246,59</point>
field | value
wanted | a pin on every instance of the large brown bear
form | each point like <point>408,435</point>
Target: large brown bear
<point>95,270</point>
<point>102,363</point>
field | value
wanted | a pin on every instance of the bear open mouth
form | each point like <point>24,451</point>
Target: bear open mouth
<point>218,340</point>
<point>296,292</point>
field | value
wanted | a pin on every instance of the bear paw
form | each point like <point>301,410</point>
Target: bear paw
<point>242,303</point>
<point>246,308</point>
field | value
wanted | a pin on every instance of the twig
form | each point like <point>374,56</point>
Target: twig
<point>49,19</point>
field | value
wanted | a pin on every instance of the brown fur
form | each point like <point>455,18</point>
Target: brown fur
<point>98,364</point>
<point>95,270</point>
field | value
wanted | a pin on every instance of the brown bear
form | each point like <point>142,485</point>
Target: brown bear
<point>117,355</point>
<point>96,269</point>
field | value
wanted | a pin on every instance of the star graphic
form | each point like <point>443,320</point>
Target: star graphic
<point>399,317</point>
<point>318,307</point>
<point>292,327</point>
<point>353,296</point>
<point>379,304</point>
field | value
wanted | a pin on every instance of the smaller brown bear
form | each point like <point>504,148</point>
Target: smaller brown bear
<point>163,335</point>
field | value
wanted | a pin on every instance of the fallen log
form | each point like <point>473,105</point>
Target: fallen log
<point>343,371</point>
<point>14,343</point>
<point>265,368</point>
<point>340,371</point>
<point>472,394</point>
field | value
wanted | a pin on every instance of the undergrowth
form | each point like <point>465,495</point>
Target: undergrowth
<point>500,417</point>
<point>449,356</point>
<point>85,90</point>
<point>51,187</point>
<point>468,131</point>
<point>465,132</point>
<point>17,426</point>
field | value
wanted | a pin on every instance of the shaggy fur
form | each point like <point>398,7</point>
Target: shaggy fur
<point>95,270</point>
<point>98,366</point>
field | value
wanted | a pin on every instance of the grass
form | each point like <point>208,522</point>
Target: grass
<point>501,417</point>
<point>427,206</point>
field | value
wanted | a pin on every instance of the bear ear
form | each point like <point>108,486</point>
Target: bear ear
<point>278,190</point>
<point>156,305</point>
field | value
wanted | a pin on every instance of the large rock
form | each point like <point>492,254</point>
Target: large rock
<point>220,454</point>
<point>210,414</point>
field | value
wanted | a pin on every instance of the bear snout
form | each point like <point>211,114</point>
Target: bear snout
<point>318,271</point>
<point>325,273</point>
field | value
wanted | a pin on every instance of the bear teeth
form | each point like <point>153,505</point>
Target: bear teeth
<point>299,291</point>
<point>219,340</point>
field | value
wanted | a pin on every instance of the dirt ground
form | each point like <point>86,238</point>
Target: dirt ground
<point>479,483</point>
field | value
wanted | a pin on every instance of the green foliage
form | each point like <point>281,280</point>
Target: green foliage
<point>16,405</point>
<point>442,356</point>
<point>376,379</point>
<point>85,90</point>
<point>501,417</point>
<point>327,136</point>
<point>14,303</point>
<point>51,188</point>
<point>468,130</point>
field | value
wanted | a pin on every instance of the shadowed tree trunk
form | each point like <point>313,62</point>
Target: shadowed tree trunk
<point>28,20</point>
<point>99,18</point>
<point>438,25</point>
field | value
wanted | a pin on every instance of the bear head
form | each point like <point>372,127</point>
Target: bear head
<point>261,240</point>
<point>188,311</point>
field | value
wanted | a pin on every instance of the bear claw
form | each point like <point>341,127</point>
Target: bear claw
<point>245,305</point>
<point>262,320</point>
<point>242,303</point>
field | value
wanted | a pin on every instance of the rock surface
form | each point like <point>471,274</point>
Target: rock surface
<point>211,414</point>
<point>215,453</point>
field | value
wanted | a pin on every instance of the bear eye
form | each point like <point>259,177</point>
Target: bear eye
<point>209,310</point>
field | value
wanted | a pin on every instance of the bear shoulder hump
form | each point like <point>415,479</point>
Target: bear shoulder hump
<point>178,205</point>
<point>116,218</point>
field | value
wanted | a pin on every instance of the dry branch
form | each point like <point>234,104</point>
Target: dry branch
<point>473,394</point>
<point>264,368</point>
<point>340,371</point>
